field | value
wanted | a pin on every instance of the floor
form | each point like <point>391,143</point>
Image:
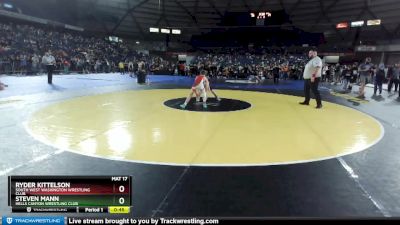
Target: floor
<point>273,159</point>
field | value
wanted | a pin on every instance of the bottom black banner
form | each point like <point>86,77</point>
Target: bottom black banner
<point>212,221</point>
<point>115,220</point>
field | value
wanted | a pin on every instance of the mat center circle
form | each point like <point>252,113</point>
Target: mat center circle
<point>213,105</point>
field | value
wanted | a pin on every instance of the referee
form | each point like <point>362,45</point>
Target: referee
<point>49,61</point>
<point>312,77</point>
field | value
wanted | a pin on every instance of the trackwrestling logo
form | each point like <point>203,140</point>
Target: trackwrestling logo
<point>33,220</point>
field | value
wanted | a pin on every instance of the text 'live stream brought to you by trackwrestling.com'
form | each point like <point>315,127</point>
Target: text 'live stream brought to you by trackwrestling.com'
<point>59,220</point>
<point>139,221</point>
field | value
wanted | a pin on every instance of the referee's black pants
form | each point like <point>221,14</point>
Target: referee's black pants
<point>276,79</point>
<point>312,86</point>
<point>50,69</point>
<point>392,82</point>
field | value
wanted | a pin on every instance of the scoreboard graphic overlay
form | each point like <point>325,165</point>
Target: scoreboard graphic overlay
<point>75,194</point>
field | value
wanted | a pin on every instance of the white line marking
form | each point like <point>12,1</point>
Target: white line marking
<point>356,179</point>
<point>162,203</point>
<point>35,159</point>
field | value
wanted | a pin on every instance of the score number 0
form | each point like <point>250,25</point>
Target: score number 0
<point>121,200</point>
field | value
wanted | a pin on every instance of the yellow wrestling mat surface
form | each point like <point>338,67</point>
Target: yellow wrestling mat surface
<point>136,126</point>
